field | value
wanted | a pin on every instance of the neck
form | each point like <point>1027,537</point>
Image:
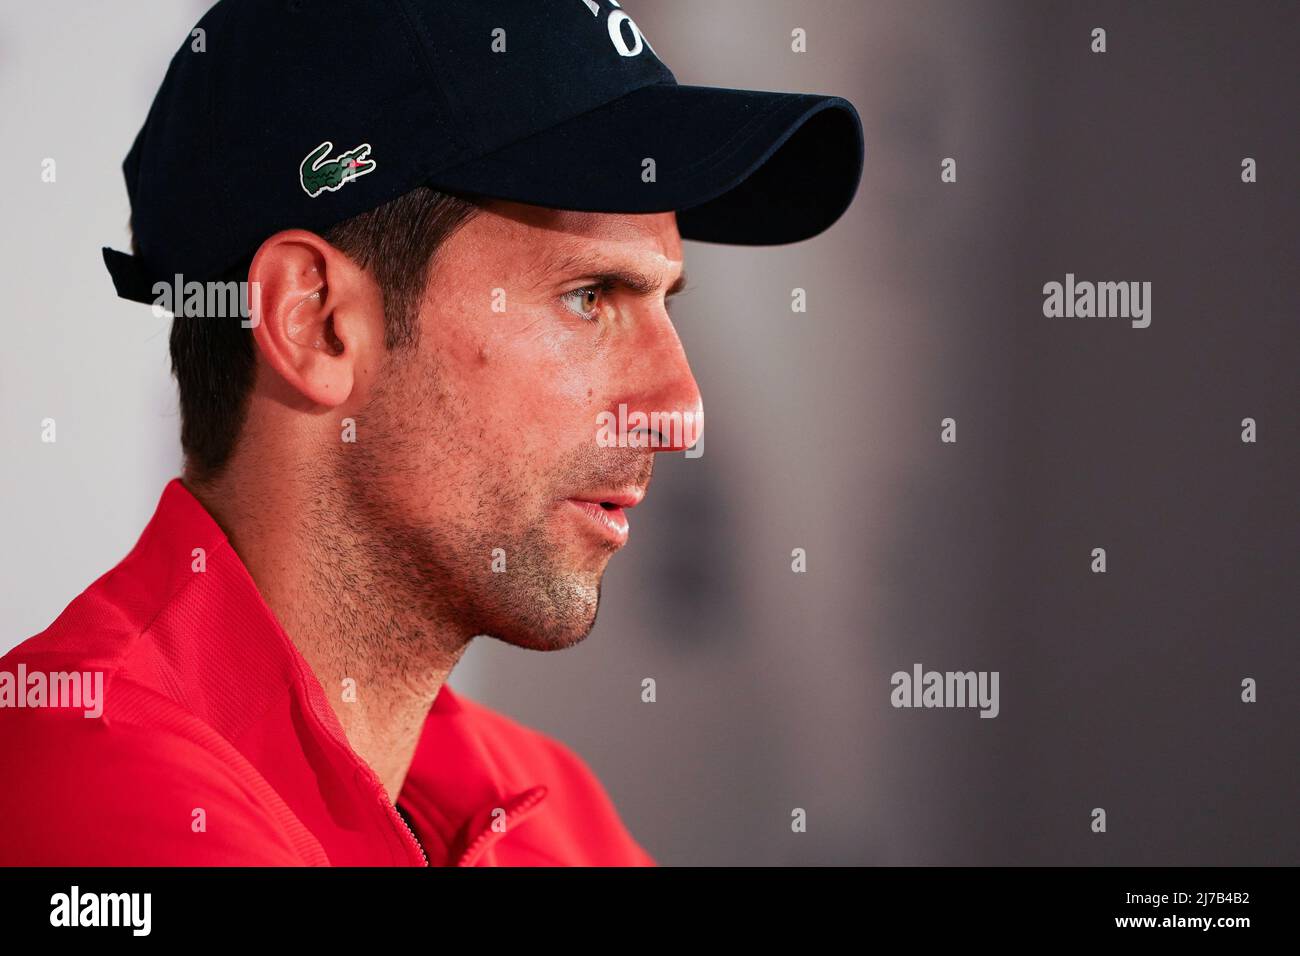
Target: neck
<point>374,648</point>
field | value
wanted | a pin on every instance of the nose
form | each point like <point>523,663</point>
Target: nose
<point>661,387</point>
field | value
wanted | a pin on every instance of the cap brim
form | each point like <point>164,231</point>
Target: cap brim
<point>746,167</point>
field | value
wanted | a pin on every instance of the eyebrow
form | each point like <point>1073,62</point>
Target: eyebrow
<point>639,282</point>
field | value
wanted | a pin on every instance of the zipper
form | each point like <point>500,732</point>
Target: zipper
<point>414,839</point>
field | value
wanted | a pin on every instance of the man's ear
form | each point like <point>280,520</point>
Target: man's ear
<point>317,318</point>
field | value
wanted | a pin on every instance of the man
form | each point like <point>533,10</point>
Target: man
<point>458,225</point>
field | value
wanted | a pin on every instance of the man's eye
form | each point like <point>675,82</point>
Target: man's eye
<point>583,302</point>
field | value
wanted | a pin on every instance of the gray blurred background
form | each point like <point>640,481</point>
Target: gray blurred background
<point>1119,691</point>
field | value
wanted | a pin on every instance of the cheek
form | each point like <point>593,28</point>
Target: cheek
<point>530,396</point>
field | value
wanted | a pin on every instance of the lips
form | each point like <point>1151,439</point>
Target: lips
<point>606,512</point>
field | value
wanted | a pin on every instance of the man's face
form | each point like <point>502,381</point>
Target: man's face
<point>481,471</point>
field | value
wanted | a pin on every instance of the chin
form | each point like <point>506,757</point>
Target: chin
<point>549,639</point>
<point>549,624</point>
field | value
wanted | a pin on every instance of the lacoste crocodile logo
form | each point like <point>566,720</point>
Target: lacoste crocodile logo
<point>318,175</point>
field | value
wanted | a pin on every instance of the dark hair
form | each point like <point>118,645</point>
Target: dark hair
<point>214,363</point>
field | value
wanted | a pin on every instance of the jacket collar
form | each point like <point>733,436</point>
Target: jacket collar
<point>235,667</point>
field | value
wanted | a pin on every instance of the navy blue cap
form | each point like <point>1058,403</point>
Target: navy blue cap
<point>303,113</point>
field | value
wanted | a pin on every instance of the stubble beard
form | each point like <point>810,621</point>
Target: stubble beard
<point>437,584</point>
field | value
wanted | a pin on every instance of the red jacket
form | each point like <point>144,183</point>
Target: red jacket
<point>216,744</point>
